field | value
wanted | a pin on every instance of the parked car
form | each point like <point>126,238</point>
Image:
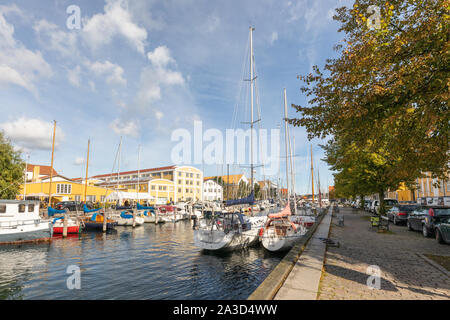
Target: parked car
<point>367,205</point>
<point>388,203</point>
<point>399,213</point>
<point>427,218</point>
<point>373,205</point>
<point>442,231</point>
<point>71,205</point>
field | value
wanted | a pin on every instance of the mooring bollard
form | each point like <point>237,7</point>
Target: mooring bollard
<point>105,221</point>
<point>65,225</point>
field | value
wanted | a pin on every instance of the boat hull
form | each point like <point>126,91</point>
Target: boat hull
<point>41,232</point>
<point>98,226</point>
<point>129,222</point>
<point>71,229</point>
<point>217,240</point>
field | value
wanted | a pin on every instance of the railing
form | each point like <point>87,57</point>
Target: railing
<point>17,223</point>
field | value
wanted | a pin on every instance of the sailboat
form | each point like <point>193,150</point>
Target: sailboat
<point>280,233</point>
<point>228,229</point>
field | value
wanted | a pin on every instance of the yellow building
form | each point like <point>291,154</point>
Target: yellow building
<point>63,189</point>
<point>429,191</point>
<point>165,184</point>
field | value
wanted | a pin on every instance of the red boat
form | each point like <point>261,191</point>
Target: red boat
<point>72,226</point>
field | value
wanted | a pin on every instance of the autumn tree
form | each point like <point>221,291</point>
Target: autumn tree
<point>11,169</point>
<point>387,92</point>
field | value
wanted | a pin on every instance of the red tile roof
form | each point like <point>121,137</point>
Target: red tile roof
<point>43,170</point>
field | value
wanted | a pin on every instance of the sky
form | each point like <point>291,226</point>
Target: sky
<point>143,69</point>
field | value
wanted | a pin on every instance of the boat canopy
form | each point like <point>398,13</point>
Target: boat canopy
<point>249,200</point>
<point>87,210</point>
<point>141,207</point>
<point>51,211</point>
<point>124,215</point>
<point>284,213</point>
<point>121,195</point>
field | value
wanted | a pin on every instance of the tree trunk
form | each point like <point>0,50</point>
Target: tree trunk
<point>382,209</point>
<point>362,202</point>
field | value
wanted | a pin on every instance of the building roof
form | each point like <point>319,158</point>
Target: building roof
<point>56,176</point>
<point>228,179</point>
<point>135,171</point>
<point>43,170</point>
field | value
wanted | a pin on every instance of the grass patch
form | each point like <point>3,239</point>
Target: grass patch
<point>443,261</point>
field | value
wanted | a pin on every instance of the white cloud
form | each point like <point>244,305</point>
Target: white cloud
<point>53,38</point>
<point>32,133</point>
<point>127,128</point>
<point>78,161</point>
<point>160,57</point>
<point>100,29</point>
<point>74,76</point>
<point>112,72</point>
<point>20,66</point>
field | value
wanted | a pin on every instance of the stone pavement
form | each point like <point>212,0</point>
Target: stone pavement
<point>404,274</point>
<point>303,280</point>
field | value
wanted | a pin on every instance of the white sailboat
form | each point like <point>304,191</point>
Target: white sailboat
<point>280,233</point>
<point>230,230</point>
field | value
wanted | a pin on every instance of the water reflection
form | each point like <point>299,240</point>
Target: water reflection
<point>146,262</point>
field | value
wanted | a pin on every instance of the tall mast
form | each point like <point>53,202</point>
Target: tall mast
<point>312,175</point>
<point>139,172</point>
<point>87,166</point>
<point>51,169</point>
<point>286,142</point>
<point>251,103</point>
<point>118,165</point>
<point>318,182</point>
<point>25,178</point>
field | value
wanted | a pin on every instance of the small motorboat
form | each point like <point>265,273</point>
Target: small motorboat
<point>126,219</point>
<point>58,226</point>
<point>95,222</point>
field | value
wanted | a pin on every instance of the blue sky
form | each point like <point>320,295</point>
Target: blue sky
<point>141,69</point>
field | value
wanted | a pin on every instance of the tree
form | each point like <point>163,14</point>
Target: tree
<point>386,95</point>
<point>11,169</point>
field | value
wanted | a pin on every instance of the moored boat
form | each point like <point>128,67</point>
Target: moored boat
<point>20,222</point>
<point>126,219</point>
<point>58,225</point>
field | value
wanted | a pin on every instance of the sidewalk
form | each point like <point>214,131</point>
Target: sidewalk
<point>303,281</point>
<point>404,274</point>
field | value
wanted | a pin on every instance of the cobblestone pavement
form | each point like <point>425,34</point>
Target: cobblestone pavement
<point>404,274</point>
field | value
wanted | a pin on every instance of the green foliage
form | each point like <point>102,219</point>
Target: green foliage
<point>384,99</point>
<point>11,169</point>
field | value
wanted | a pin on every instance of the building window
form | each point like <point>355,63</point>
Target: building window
<point>77,197</point>
<point>2,208</point>
<point>30,207</point>
<point>21,207</point>
<point>180,181</point>
<point>153,187</point>
<point>179,190</point>
<point>102,198</point>
<point>63,188</point>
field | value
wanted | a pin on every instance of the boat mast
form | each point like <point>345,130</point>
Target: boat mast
<point>87,166</point>
<point>51,168</point>
<point>118,167</point>
<point>312,175</point>
<point>286,142</point>
<point>320,194</point>
<point>139,172</point>
<point>251,103</point>
<point>25,178</point>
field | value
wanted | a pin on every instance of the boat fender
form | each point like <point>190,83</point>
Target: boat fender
<point>261,232</point>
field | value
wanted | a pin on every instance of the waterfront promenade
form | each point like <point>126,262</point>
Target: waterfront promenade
<point>405,274</point>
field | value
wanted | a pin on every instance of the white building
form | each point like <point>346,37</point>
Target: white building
<point>212,191</point>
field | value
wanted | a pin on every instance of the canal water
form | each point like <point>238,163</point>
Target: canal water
<point>147,262</point>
